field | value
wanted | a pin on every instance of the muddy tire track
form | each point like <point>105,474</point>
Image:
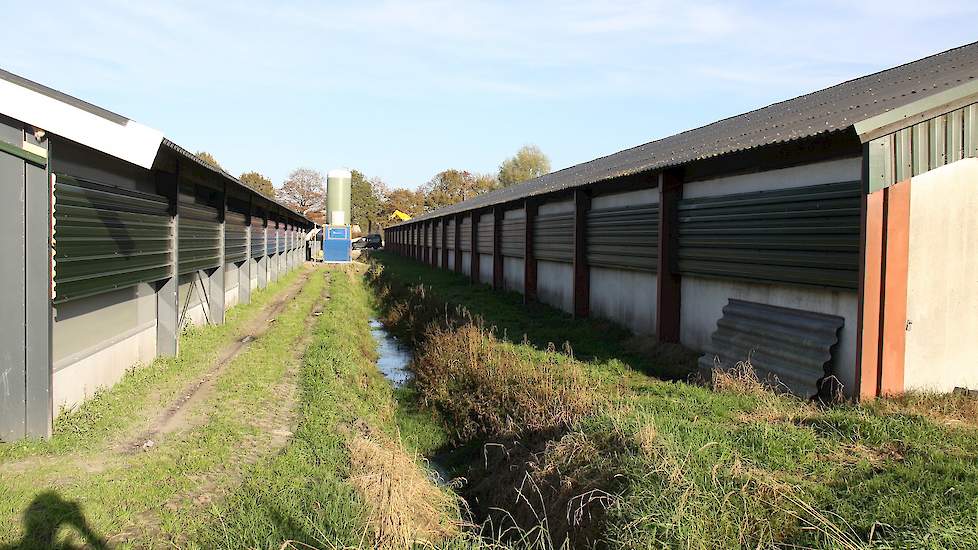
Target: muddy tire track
<point>177,416</point>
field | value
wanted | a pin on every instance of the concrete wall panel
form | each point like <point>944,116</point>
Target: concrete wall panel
<point>555,284</point>
<point>631,198</point>
<point>626,297</point>
<point>942,279</point>
<point>513,274</point>
<point>85,325</point>
<point>703,300</point>
<point>466,263</point>
<point>78,381</point>
<point>832,171</point>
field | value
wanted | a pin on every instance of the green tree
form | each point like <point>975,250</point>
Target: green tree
<point>453,186</point>
<point>209,159</point>
<point>367,198</point>
<point>528,163</point>
<point>259,183</point>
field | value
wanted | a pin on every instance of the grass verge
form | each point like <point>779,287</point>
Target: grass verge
<point>653,463</point>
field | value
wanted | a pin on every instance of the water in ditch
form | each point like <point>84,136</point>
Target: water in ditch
<point>393,355</point>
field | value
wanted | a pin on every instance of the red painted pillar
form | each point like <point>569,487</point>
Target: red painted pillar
<point>474,255</point>
<point>669,285</point>
<point>582,274</point>
<point>497,247</point>
<point>529,256</point>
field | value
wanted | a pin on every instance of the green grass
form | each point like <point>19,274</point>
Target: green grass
<point>123,496</point>
<point>693,467</point>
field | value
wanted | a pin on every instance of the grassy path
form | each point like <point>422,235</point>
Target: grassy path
<point>344,480</point>
<point>88,472</point>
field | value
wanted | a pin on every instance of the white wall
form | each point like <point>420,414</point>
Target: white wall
<point>485,268</point>
<point>832,171</point>
<point>451,260</point>
<point>703,298</point>
<point>942,279</point>
<point>626,297</point>
<point>555,284</point>
<point>467,263</point>
<point>513,274</point>
<point>631,198</point>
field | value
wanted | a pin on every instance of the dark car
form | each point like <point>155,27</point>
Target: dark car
<point>374,241</point>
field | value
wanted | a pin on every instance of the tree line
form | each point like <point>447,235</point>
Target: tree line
<point>373,200</point>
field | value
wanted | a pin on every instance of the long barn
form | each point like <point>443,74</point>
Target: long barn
<point>115,238</point>
<point>830,238</point>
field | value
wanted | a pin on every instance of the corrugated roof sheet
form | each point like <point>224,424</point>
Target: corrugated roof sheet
<point>220,171</point>
<point>834,109</point>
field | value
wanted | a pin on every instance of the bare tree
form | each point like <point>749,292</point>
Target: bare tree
<point>303,190</point>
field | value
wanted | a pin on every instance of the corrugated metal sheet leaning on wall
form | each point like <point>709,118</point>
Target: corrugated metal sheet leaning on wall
<point>804,204</point>
<point>121,239</point>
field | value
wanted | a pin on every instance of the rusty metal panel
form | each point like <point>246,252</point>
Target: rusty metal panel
<point>553,237</point>
<point>788,348</point>
<point>465,239</point>
<point>485,233</point>
<point>624,237</point>
<point>807,235</point>
<point>513,235</point>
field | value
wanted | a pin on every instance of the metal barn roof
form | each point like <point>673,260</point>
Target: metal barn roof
<point>834,109</point>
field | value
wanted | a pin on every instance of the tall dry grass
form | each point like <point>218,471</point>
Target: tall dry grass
<point>485,387</point>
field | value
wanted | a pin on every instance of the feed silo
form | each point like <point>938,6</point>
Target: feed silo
<point>337,236</point>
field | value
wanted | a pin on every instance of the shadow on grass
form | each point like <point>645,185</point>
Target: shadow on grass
<point>540,324</point>
<point>45,517</point>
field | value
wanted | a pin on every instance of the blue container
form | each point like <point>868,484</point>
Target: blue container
<point>336,243</point>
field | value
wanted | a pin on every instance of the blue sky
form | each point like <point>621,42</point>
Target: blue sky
<point>402,90</point>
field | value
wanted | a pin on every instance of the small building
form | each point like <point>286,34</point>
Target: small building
<point>115,238</point>
<point>830,238</point>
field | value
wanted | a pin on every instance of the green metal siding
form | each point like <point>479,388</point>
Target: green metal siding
<point>235,237</point>
<point>465,239</point>
<point>513,236</point>
<point>108,238</point>
<point>200,234</point>
<point>485,234</point>
<point>924,146</point>
<point>807,235</point>
<point>625,237</point>
<point>553,237</point>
